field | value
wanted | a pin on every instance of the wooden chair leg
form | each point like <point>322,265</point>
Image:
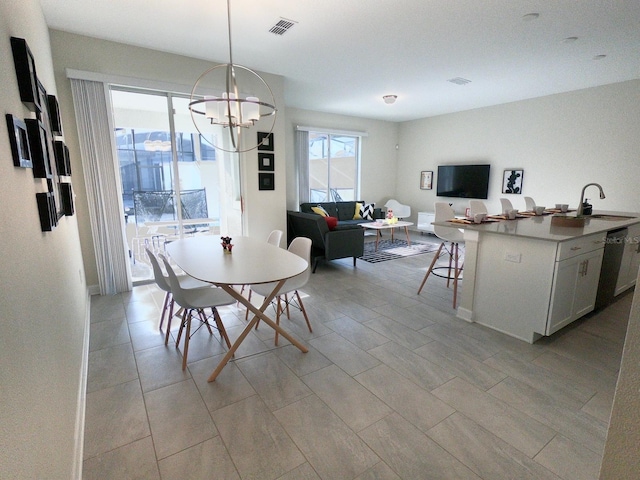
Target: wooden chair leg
<point>450,263</point>
<point>433,262</point>
<point>278,313</point>
<point>165,305</point>
<point>205,320</point>
<point>186,315</point>
<point>455,278</point>
<point>166,337</point>
<point>185,353</point>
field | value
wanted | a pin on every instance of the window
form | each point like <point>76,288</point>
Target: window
<point>332,167</point>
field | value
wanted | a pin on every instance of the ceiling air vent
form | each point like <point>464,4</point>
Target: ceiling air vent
<point>459,81</point>
<point>282,26</point>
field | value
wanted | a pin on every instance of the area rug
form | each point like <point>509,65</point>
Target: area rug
<point>388,250</point>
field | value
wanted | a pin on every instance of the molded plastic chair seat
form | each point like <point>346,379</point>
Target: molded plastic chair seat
<point>196,299</point>
<point>477,206</point>
<point>506,204</point>
<point>453,235</point>
<point>301,246</point>
<point>399,210</point>
<point>530,204</point>
<point>186,282</point>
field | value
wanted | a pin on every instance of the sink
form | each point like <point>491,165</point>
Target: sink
<point>568,221</point>
<point>611,218</point>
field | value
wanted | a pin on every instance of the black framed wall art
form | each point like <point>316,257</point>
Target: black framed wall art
<point>38,145</point>
<point>25,66</point>
<point>19,141</point>
<point>265,141</point>
<point>266,181</point>
<point>512,181</point>
<point>266,161</point>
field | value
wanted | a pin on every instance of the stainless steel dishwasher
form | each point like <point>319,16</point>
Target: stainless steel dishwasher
<point>613,250</point>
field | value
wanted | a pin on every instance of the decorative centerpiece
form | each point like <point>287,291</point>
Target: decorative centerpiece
<point>227,246</point>
<point>390,218</point>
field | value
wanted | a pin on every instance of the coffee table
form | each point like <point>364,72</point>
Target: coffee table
<point>378,227</point>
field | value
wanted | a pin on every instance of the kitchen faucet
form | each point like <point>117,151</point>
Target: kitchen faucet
<point>580,207</point>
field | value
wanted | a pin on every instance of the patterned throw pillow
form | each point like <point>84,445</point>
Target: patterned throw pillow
<point>366,211</point>
<point>320,211</point>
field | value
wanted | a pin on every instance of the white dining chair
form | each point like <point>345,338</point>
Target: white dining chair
<point>530,204</point>
<point>162,282</point>
<point>506,204</point>
<point>195,299</point>
<point>274,238</point>
<point>451,235</point>
<point>477,206</point>
<point>288,294</point>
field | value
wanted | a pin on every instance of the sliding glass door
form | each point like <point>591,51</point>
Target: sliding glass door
<point>174,183</point>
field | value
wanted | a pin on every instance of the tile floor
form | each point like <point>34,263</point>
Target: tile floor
<point>394,386</point>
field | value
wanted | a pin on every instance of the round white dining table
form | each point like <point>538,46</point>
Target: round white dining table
<point>251,261</point>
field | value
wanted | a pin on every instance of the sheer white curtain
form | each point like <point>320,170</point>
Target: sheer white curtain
<point>302,163</point>
<point>106,210</point>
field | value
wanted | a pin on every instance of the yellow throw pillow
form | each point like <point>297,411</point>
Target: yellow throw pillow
<point>356,215</point>
<point>319,210</point>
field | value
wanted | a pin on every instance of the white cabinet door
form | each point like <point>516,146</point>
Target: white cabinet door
<point>424,221</point>
<point>630,261</point>
<point>575,285</point>
<point>587,284</point>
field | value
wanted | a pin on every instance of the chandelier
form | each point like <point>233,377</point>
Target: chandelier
<point>232,109</point>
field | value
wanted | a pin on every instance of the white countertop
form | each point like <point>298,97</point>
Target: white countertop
<point>539,227</point>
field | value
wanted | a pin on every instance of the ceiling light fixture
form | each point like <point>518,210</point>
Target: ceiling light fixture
<point>231,109</point>
<point>530,16</point>
<point>389,99</point>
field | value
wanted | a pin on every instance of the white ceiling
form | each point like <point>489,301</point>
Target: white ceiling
<point>343,55</point>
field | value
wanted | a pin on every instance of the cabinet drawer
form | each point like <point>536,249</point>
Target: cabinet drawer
<point>581,245</point>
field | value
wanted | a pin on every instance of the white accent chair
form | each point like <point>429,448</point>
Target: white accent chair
<point>301,246</point>
<point>451,235</point>
<point>196,299</point>
<point>399,210</point>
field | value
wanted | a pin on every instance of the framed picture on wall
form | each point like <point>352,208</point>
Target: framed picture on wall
<point>266,181</point>
<point>512,181</point>
<point>39,147</point>
<point>426,180</point>
<point>266,161</point>
<point>19,142</point>
<point>265,141</point>
<point>25,66</point>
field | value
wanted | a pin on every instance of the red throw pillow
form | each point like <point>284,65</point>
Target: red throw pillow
<point>332,222</point>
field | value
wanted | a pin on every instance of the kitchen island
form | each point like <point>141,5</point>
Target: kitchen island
<point>529,278</point>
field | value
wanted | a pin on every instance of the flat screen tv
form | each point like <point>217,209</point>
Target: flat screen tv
<point>464,181</point>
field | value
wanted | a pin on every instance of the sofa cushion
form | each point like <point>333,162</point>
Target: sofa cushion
<point>366,211</point>
<point>332,222</point>
<point>318,209</point>
<point>345,210</point>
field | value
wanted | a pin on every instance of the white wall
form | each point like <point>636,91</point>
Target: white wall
<point>264,210</point>
<point>561,141</point>
<point>43,297</point>
<point>378,164</point>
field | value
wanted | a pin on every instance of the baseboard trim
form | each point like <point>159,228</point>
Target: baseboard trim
<point>82,394</point>
<point>465,314</point>
<point>94,289</point>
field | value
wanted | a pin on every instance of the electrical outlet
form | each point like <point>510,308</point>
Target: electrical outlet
<point>513,257</point>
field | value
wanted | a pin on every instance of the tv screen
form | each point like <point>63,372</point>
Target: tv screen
<point>464,181</point>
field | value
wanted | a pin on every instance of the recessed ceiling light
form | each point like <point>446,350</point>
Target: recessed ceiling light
<point>459,81</point>
<point>389,99</point>
<point>570,39</point>
<point>530,16</point>
<point>599,57</point>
